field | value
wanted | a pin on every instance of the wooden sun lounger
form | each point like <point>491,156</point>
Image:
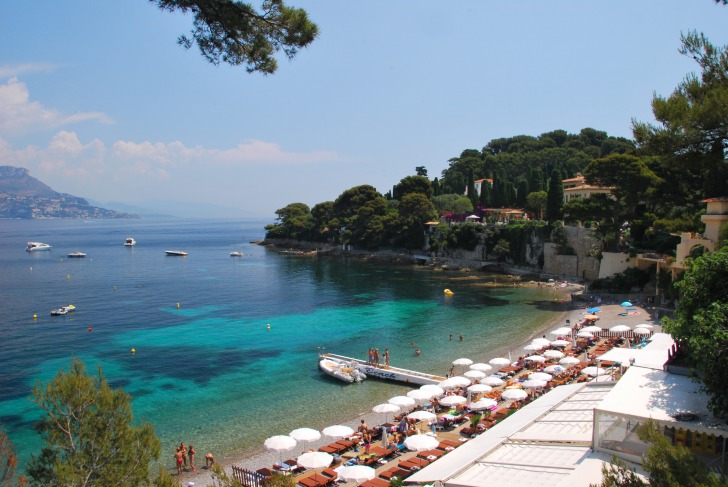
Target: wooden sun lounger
<point>375,483</point>
<point>413,462</point>
<point>430,453</point>
<point>332,448</point>
<point>395,472</point>
<point>315,481</point>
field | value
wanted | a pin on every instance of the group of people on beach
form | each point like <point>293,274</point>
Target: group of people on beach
<point>183,454</point>
<point>374,358</point>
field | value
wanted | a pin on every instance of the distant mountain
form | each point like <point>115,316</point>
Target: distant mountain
<point>16,181</point>
<point>23,196</point>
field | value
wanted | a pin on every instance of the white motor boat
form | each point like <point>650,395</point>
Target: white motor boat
<point>63,310</point>
<point>178,253</point>
<point>37,246</point>
<point>76,255</point>
<point>129,242</point>
<point>339,370</point>
<point>236,254</point>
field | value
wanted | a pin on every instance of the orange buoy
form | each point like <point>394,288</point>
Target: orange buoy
<point>90,329</point>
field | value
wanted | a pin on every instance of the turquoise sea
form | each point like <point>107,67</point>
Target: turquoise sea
<point>211,372</point>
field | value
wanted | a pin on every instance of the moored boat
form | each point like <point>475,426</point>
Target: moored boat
<point>236,254</point>
<point>129,242</point>
<point>37,246</point>
<point>179,253</point>
<point>63,310</point>
<point>76,255</point>
<point>340,370</point>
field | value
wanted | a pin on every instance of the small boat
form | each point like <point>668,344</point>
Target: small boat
<point>63,310</point>
<point>129,242</point>
<point>178,253</point>
<point>76,255</point>
<point>37,246</point>
<point>236,254</point>
<point>341,371</point>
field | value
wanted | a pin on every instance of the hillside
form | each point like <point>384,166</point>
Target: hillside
<point>24,197</point>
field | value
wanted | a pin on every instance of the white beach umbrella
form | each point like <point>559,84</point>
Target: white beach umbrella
<point>560,343</point>
<point>484,403</point>
<point>514,395</point>
<point>459,381</point>
<point>337,431</point>
<point>356,473</point>
<point>499,362</point>
<point>584,334</point>
<point>481,367</point>
<point>535,358</point>
<point>420,395</point>
<point>402,401</point>
<point>479,388</point>
<point>492,381</point>
<point>593,371</point>
<point>533,384</point>
<point>540,376</point>
<point>422,415</point>
<point>645,325</point>
<point>280,443</point>
<point>385,409</point>
<point>541,341</point>
<point>553,354</point>
<point>474,374</point>
<point>592,329</point>
<point>620,329</point>
<point>532,347</point>
<point>421,442</point>
<point>450,401</point>
<point>569,361</point>
<point>435,390</point>
<point>564,330</point>
<point>554,368</point>
<point>315,460</point>
<point>462,361</point>
<point>305,434</point>
<point>641,331</point>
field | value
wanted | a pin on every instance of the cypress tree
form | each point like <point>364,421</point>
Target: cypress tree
<point>472,193</point>
<point>555,197</point>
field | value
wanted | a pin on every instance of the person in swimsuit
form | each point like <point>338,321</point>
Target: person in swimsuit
<point>209,460</point>
<point>183,449</point>
<point>178,455</point>
<point>191,454</point>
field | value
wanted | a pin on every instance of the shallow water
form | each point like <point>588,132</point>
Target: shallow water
<point>210,372</point>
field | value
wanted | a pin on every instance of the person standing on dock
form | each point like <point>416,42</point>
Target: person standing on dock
<point>386,357</point>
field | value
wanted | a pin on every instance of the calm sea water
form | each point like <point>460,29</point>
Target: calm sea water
<point>211,372</point>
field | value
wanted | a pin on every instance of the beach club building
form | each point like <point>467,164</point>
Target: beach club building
<point>566,436</point>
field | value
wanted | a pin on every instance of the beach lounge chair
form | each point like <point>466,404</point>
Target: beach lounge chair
<point>431,455</point>
<point>375,483</point>
<point>413,463</point>
<point>395,472</point>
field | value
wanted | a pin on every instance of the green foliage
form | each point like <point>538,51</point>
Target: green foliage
<point>722,236</point>
<point>464,236</point>
<point>619,474</point>
<point>8,462</point>
<point>361,211</point>
<point>475,419</point>
<point>536,202</point>
<point>294,221</point>
<point>412,184</point>
<point>236,33</point>
<point>89,436</point>
<point>701,321</point>
<point>220,478</point>
<point>623,282</point>
<point>164,479</point>
<point>396,482</point>
<point>415,210</point>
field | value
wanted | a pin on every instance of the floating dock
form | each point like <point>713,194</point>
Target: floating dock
<point>387,372</point>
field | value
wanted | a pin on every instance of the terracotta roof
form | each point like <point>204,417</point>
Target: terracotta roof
<point>719,199</point>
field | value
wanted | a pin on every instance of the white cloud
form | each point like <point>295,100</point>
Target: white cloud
<point>19,114</point>
<point>12,70</point>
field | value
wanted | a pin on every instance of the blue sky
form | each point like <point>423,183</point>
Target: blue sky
<point>97,99</point>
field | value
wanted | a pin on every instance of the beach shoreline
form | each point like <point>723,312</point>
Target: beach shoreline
<point>570,311</point>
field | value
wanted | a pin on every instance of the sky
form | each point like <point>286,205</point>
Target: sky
<point>98,100</point>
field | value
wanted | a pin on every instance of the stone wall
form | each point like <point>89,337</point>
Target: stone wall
<point>580,265</point>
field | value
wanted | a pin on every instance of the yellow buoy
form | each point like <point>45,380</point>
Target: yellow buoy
<point>448,292</point>
<point>35,317</point>
<point>133,351</point>
<point>68,276</point>
<point>177,305</point>
<point>268,326</point>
